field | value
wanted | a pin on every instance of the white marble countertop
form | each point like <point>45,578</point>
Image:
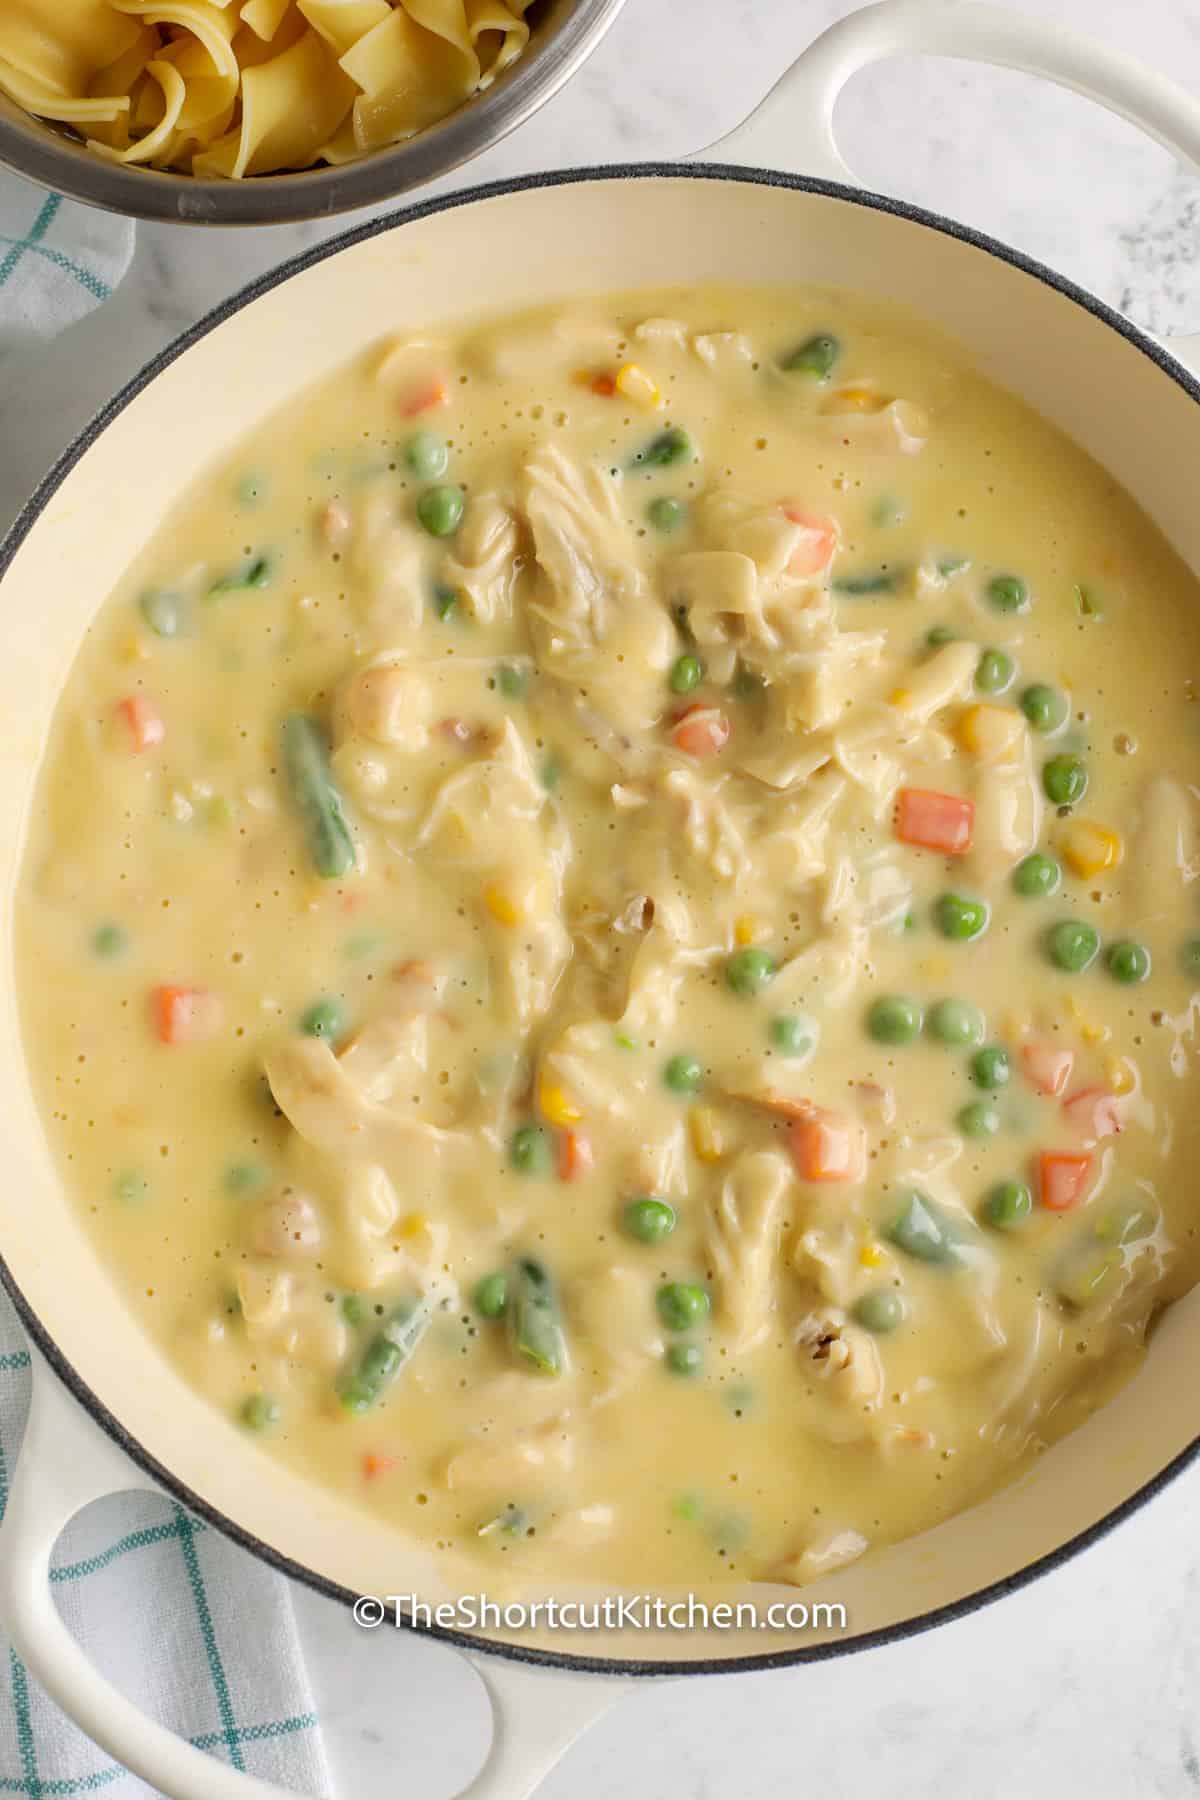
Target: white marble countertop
<point>1087,1685</point>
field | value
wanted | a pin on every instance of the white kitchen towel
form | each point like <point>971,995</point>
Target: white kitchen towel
<point>57,260</point>
<point>195,1631</point>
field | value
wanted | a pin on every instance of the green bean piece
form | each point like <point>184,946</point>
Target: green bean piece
<point>386,1354</point>
<point>748,971</point>
<point>895,1019</point>
<point>920,1231</point>
<point>995,672</point>
<point>1045,707</point>
<point>1008,1205</point>
<point>879,1312</point>
<point>869,581</point>
<point>491,1295</point>
<point>938,636</point>
<point>663,451</point>
<point>316,798</point>
<point>955,1022</point>
<point>682,1304</point>
<point>259,1412</point>
<point>445,601</point>
<point>746,685</point>
<point>535,1320</point>
<point>649,1220</point>
<point>666,514</point>
<point>531,1150</point>
<point>427,455</point>
<point>1128,962</point>
<point>1072,945</point>
<point>440,510</point>
<point>684,1073</point>
<point>1065,780</point>
<point>684,1359</point>
<point>354,1309</point>
<point>323,1019</point>
<point>815,357</point>
<point>163,612</point>
<point>1036,876</point>
<point>255,572</point>
<point>1008,594</point>
<point>991,1067</point>
<point>960,918</point>
<point>948,566</point>
<point>509,1523</point>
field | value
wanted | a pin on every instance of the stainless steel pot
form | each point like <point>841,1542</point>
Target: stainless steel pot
<point>1131,401</point>
<point>564,33</point>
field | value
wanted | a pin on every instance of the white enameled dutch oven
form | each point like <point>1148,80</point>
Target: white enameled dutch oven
<point>102,1393</point>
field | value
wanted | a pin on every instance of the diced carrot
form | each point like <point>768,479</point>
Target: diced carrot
<point>828,1146</point>
<point>457,730</point>
<point>821,538</point>
<point>574,1155</point>
<point>604,385</point>
<point>145,722</point>
<point>1047,1066</point>
<point>375,1463</point>
<point>1062,1178</point>
<point>702,731</point>
<point>424,398</point>
<point>1097,1111</point>
<point>933,821</point>
<point>186,1015</point>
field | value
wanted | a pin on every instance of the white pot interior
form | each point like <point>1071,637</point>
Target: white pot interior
<point>517,249</point>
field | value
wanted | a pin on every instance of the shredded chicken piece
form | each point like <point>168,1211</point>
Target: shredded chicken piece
<point>822,1555</point>
<point>486,560</point>
<point>743,1242</point>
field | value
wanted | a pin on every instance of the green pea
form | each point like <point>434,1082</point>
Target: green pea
<point>748,971</point>
<point>550,773</point>
<point>816,356</point>
<point>978,1119</point>
<point>668,448</point>
<point>324,1019</point>
<point>1009,1203</point>
<point>440,510</point>
<point>994,672</point>
<point>791,1033</point>
<point>937,635</point>
<point>427,455</point>
<point>1008,594</point>
<point>1072,945</point>
<point>879,1312</point>
<point>681,1304</point>
<point>683,1074</point>
<point>162,611</point>
<point>491,1295</point>
<point>512,681</point>
<point>1189,957</point>
<point>1036,876</point>
<point>260,1412</point>
<point>131,1187</point>
<point>531,1150</point>
<point>955,1022</point>
<point>686,674</point>
<point>894,1019</point>
<point>887,510</point>
<point>684,1359</point>
<point>666,515</point>
<point>109,940</point>
<point>245,1178</point>
<point>1045,708</point>
<point>1065,779</point>
<point>445,601</point>
<point>959,918</point>
<point>649,1220</point>
<point>354,1309</point>
<point>1128,961</point>
<point>746,685</point>
<point>921,1232</point>
<point>991,1067</point>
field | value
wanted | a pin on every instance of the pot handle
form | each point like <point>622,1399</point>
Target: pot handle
<point>66,1461</point>
<point>793,127</point>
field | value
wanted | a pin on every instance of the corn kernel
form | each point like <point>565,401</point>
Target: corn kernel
<point>556,1104</point>
<point>414,1224</point>
<point>704,1128</point>
<point>1120,1075</point>
<point>992,731</point>
<point>901,697</point>
<point>748,930</point>
<point>1089,848</point>
<point>501,905</point>
<point>858,397</point>
<point>135,649</point>
<point>872,1256</point>
<point>635,384</point>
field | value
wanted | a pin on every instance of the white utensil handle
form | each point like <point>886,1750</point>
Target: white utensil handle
<point>67,1461</point>
<point>793,126</point>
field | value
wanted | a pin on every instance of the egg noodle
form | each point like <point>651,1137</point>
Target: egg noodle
<point>228,88</point>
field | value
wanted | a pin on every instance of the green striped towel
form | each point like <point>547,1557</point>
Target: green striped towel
<point>196,1632</point>
<point>57,260</point>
